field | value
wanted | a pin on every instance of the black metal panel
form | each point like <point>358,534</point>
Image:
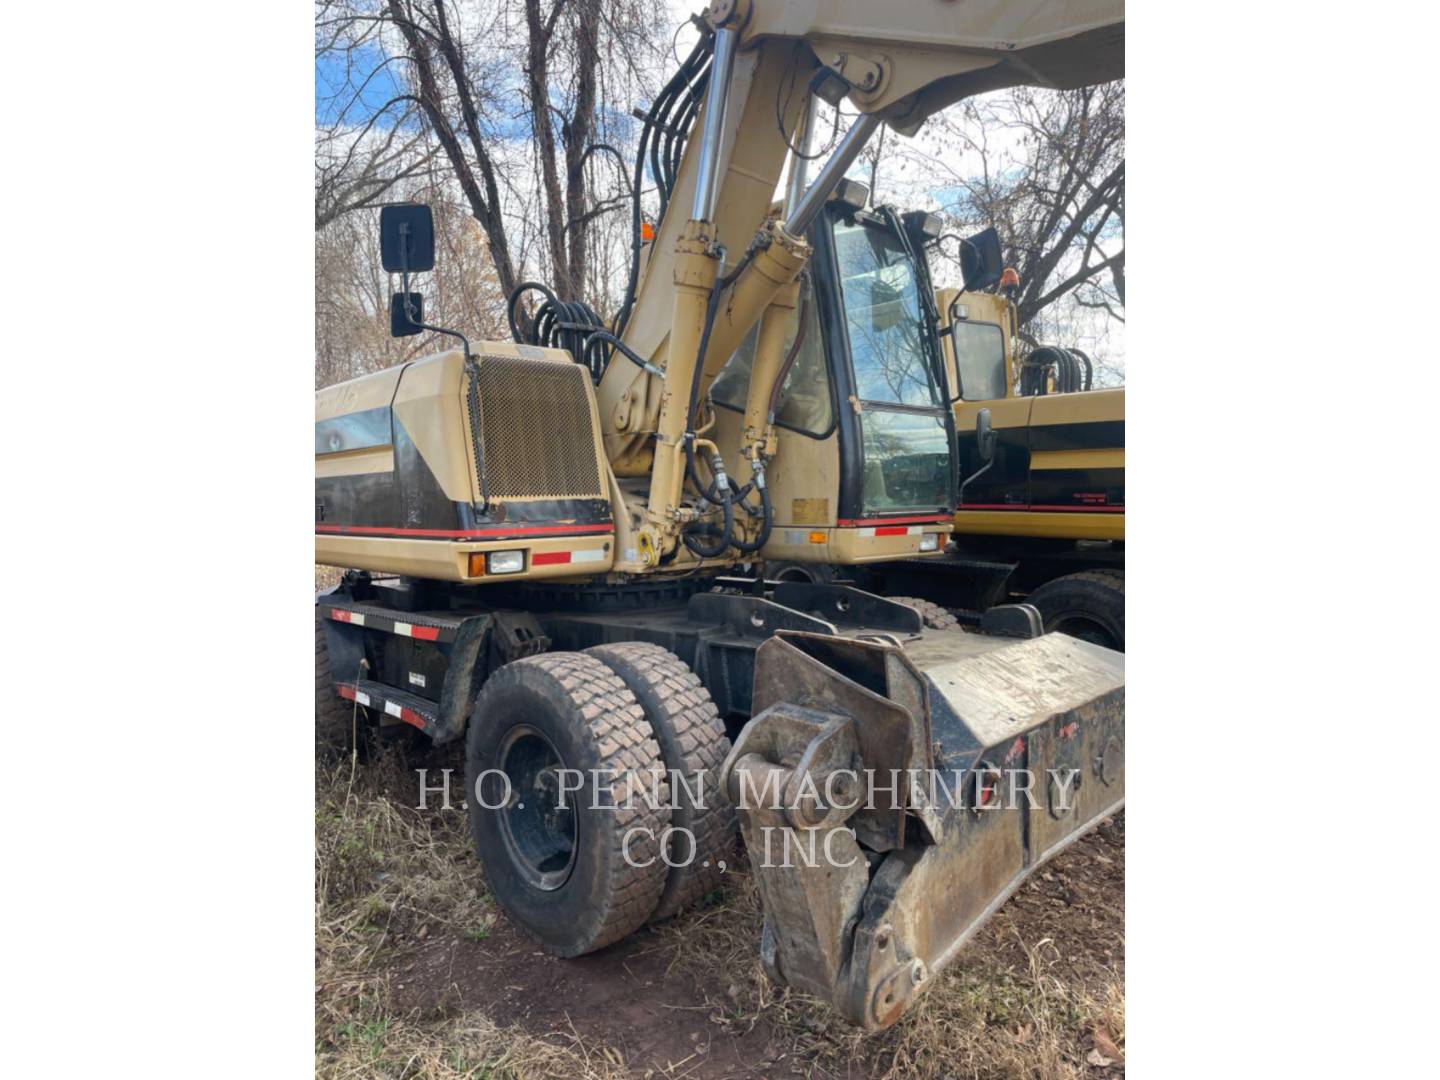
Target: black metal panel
<point>1079,435</point>
<point>420,501</point>
<point>1007,481</point>
<point>1078,487</point>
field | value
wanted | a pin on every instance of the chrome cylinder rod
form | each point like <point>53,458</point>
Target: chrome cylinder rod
<point>799,156</point>
<point>717,93</point>
<point>831,173</point>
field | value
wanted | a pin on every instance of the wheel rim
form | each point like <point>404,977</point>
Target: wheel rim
<point>539,834</point>
<point>1085,628</point>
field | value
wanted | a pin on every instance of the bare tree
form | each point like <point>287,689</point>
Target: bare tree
<point>365,143</point>
<point>1047,169</point>
<point>514,96</point>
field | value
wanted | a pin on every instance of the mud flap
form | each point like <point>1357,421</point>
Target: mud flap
<point>893,797</point>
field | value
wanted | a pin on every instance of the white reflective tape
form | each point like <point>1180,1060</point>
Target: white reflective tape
<point>392,709</point>
<point>593,555</point>
<point>403,628</point>
<point>867,534</point>
<point>916,530</point>
<point>363,699</point>
<point>358,620</point>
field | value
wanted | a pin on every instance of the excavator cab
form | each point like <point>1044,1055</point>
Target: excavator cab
<point>863,405</point>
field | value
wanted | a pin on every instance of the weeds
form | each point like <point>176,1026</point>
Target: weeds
<point>1037,994</point>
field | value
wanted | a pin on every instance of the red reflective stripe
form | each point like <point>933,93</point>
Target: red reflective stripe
<point>468,534</point>
<point>1041,506</point>
<point>928,519</point>
<point>339,615</point>
<point>898,530</point>
<point>549,558</point>
<point>410,716</point>
<point>425,633</point>
<point>347,692</point>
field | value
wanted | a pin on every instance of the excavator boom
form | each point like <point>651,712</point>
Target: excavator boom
<point>759,65</point>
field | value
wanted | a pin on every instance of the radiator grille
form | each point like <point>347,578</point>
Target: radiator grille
<point>536,430</point>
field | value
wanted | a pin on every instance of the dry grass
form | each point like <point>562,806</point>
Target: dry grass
<point>386,878</point>
<point>984,1017</point>
<point>389,879</point>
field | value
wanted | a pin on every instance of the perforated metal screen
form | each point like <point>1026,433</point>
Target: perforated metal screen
<point>536,434</point>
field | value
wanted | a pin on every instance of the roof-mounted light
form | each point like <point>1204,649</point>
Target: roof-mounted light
<point>852,193</point>
<point>927,225</point>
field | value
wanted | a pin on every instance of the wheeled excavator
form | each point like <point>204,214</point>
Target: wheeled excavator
<point>539,537</point>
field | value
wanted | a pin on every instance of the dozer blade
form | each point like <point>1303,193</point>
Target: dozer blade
<point>892,796</point>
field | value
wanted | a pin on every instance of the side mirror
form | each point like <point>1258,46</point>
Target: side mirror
<point>407,314</point>
<point>981,261</point>
<point>985,442</point>
<point>407,238</point>
<point>984,435</point>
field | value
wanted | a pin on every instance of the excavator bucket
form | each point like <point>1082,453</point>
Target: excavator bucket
<point>892,796</point>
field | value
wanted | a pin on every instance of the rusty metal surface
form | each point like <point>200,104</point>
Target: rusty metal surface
<point>1014,749</point>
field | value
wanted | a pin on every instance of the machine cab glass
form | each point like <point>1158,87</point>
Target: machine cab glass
<point>905,455</point>
<point>979,359</point>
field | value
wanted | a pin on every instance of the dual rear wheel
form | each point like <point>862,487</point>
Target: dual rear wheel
<point>598,805</point>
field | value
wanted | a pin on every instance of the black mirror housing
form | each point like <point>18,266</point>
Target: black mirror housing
<point>984,435</point>
<point>407,238</point>
<point>981,261</point>
<point>407,312</point>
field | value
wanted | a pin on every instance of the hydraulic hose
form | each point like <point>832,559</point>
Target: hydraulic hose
<point>1067,364</point>
<point>790,358</point>
<point>559,324</point>
<point>720,493</point>
<point>712,551</point>
<point>690,78</point>
<point>767,519</point>
<point>573,325</point>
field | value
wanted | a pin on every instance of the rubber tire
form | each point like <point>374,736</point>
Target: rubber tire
<point>333,714</point>
<point>692,741</point>
<point>932,615</point>
<point>1095,596</point>
<point>593,722</point>
<point>812,573</point>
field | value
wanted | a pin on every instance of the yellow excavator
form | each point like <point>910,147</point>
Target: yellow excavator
<point>540,536</point>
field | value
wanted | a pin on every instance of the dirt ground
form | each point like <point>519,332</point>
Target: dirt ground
<point>420,975</point>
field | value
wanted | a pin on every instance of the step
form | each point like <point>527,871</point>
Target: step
<point>423,626</point>
<point>387,701</point>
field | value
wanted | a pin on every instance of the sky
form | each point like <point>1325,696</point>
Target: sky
<point>331,79</point>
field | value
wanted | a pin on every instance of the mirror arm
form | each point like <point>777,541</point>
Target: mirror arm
<point>405,289</point>
<point>960,499</point>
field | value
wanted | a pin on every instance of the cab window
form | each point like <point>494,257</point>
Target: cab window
<point>883,318</point>
<point>907,460</point>
<point>804,402</point>
<point>980,359</point>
